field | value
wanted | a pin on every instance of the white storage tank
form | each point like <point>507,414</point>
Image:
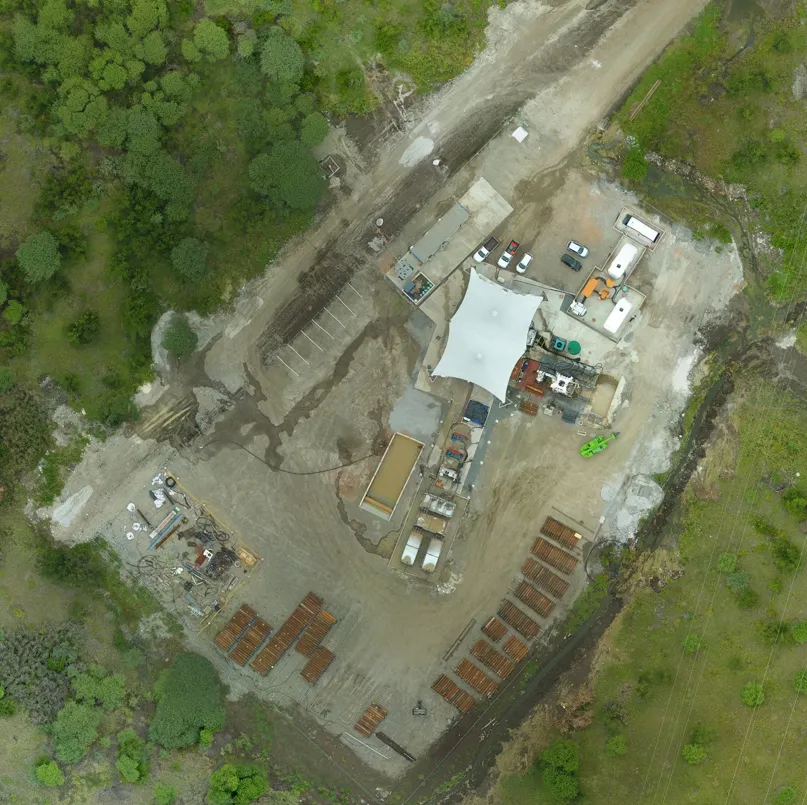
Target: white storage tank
<point>616,318</point>
<point>623,260</point>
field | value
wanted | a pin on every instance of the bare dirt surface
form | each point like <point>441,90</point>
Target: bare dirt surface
<point>280,443</point>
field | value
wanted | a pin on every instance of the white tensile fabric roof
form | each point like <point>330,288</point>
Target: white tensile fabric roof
<point>487,335</point>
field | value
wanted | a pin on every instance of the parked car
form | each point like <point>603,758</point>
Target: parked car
<point>577,248</point>
<point>523,263</point>
<point>575,265</point>
<point>411,549</point>
<point>432,555</point>
<point>489,245</point>
<point>508,255</point>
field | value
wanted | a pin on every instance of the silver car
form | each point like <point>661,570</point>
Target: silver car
<point>577,248</point>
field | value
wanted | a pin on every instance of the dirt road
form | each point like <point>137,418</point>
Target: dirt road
<point>562,65</point>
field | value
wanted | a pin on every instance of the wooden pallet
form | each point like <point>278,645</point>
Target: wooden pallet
<point>235,627</point>
<point>287,634</point>
<point>554,556</point>
<point>544,578</point>
<point>562,534</point>
<point>453,693</point>
<point>535,600</point>
<point>529,408</point>
<point>493,659</point>
<point>249,643</point>
<point>315,632</point>
<point>370,720</point>
<point>494,629</point>
<point>317,665</point>
<point>476,677</point>
<point>520,621</point>
<point>516,648</point>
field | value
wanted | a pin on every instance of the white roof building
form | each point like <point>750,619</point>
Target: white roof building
<point>487,335</point>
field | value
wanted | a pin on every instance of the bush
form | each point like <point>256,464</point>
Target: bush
<point>39,257</point>
<point>33,669</point>
<point>795,499</point>
<point>617,746</point>
<point>14,312</point>
<point>800,682</point>
<point>8,707</point>
<point>694,754</point>
<point>98,687</point>
<point>737,581</point>
<point>164,794</point>
<point>753,695</point>
<point>785,795</point>
<point>727,562</point>
<point>84,329</point>
<point>238,785</point>
<point>799,632</point>
<point>773,632</point>
<point>786,555</point>
<point>49,774</point>
<point>6,379</point>
<point>693,644</point>
<point>78,566</point>
<point>188,700</point>
<point>74,731</point>
<point>179,339</point>
<point>189,258</point>
<point>560,764</point>
<point>635,165</point>
<point>206,739</point>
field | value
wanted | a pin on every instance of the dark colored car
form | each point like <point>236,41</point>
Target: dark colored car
<point>575,265</point>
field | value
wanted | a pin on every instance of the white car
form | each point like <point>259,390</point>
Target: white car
<point>577,248</point>
<point>485,249</point>
<point>523,263</point>
<point>509,254</point>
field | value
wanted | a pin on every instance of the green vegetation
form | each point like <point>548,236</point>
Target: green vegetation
<point>236,784</point>
<point>560,765</point>
<point>49,774</point>
<point>188,700</point>
<point>164,794</point>
<point>728,110</point>
<point>74,731</point>
<point>131,762</point>
<point>179,339</point>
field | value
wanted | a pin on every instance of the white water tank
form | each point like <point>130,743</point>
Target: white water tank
<point>622,261</point>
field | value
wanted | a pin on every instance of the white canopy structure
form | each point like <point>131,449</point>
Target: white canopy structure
<point>487,335</point>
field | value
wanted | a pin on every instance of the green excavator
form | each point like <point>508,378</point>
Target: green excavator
<point>596,445</point>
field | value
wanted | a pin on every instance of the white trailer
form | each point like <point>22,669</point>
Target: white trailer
<point>432,555</point>
<point>411,549</point>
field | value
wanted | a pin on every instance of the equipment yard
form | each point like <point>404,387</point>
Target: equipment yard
<point>288,486</point>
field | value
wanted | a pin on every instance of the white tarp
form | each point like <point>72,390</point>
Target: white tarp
<point>487,335</point>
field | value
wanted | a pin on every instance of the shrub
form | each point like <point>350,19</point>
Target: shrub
<point>236,784</point>
<point>737,581</point>
<point>206,738</point>
<point>727,562</point>
<point>6,379</point>
<point>635,165</point>
<point>78,566</point>
<point>799,632</point>
<point>33,665</point>
<point>49,774</point>
<point>694,754</point>
<point>14,312</point>
<point>164,794</point>
<point>753,695</point>
<point>748,598</point>
<point>39,257</point>
<point>131,762</point>
<point>786,555</point>
<point>560,764</point>
<point>188,700</point>
<point>773,632</point>
<point>693,644</point>
<point>189,258</point>
<point>8,707</point>
<point>795,501</point>
<point>800,682</point>
<point>179,339</point>
<point>785,795</point>
<point>616,745</point>
<point>563,786</point>
<point>74,731</point>
<point>98,687</point>
<point>84,329</point>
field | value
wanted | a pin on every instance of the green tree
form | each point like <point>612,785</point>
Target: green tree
<point>188,700</point>
<point>131,762</point>
<point>562,755</point>
<point>282,58</point>
<point>560,763</point>
<point>562,786</point>
<point>800,682</point>
<point>752,694</point>
<point>211,40</point>
<point>14,312</point>
<point>189,258</point>
<point>49,774</point>
<point>3,292</point>
<point>6,379</point>
<point>96,686</point>
<point>84,329</point>
<point>288,175</point>
<point>635,166</point>
<point>153,49</point>
<point>39,257</point>
<point>146,16</point>
<point>694,754</point>
<point>236,784</point>
<point>74,731</point>
<point>80,108</point>
<point>164,794</point>
<point>179,339</point>
<point>314,129</point>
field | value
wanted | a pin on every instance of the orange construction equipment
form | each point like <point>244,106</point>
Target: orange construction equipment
<point>589,287</point>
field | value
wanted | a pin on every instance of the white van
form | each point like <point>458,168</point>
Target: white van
<point>432,555</point>
<point>411,549</point>
<point>622,261</point>
<point>641,228</point>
